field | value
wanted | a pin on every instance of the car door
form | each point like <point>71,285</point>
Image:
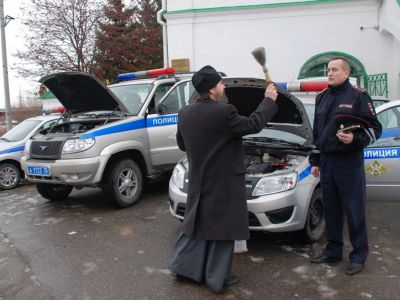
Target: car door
<point>382,158</point>
<point>162,121</point>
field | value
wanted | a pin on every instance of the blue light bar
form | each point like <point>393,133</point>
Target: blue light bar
<point>283,85</point>
<point>127,76</point>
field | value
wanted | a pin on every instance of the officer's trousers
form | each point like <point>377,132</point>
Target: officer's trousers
<point>343,188</point>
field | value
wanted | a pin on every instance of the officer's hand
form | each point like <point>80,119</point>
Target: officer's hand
<point>315,171</point>
<point>271,92</point>
<point>345,138</point>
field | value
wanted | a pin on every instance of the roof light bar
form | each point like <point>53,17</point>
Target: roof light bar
<point>303,86</point>
<point>57,109</point>
<point>146,74</point>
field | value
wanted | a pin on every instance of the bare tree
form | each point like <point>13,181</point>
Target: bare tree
<point>60,36</point>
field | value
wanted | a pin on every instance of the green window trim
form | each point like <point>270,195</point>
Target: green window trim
<point>356,65</point>
<point>254,6</point>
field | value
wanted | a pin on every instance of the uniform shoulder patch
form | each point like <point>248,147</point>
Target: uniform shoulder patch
<point>359,89</point>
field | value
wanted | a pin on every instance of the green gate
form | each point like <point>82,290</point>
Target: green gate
<point>378,85</point>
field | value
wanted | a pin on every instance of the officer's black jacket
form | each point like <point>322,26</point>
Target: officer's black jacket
<point>347,105</point>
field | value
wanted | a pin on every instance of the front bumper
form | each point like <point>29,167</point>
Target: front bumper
<point>280,212</point>
<point>79,172</point>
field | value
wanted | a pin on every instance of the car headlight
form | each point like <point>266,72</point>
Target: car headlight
<point>178,176</point>
<point>275,184</point>
<point>27,148</point>
<point>77,145</point>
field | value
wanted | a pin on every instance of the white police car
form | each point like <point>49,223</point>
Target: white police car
<point>12,146</point>
<point>115,137</point>
<point>282,195</point>
<point>382,158</point>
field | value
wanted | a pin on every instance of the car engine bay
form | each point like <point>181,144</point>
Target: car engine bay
<point>260,160</point>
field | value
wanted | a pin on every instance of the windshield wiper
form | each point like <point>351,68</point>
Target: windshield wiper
<point>260,140</point>
<point>4,139</point>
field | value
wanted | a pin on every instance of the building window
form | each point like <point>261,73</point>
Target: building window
<point>316,66</point>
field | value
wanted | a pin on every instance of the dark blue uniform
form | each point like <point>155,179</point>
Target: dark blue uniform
<point>342,165</point>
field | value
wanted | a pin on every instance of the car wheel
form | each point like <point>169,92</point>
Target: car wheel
<point>53,192</point>
<point>315,223</point>
<point>10,176</point>
<point>124,185</point>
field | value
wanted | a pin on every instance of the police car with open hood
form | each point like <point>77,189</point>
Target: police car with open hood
<point>282,195</point>
<point>115,137</point>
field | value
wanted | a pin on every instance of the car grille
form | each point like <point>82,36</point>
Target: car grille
<point>46,149</point>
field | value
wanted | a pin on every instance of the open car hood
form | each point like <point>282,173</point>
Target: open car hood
<point>247,93</point>
<point>81,92</point>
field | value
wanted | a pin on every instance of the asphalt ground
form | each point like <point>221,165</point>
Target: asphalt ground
<point>85,248</point>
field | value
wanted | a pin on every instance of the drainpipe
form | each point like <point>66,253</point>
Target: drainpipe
<point>161,20</point>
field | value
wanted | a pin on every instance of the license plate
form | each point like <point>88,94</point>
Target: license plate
<point>42,171</point>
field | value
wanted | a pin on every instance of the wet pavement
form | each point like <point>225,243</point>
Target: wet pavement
<point>85,248</point>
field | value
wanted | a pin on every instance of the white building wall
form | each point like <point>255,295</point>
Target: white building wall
<point>291,34</point>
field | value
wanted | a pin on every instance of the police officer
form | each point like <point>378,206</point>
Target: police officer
<point>339,162</point>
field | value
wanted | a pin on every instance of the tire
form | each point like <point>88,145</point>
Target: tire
<point>10,175</point>
<point>315,223</point>
<point>53,192</point>
<point>124,184</point>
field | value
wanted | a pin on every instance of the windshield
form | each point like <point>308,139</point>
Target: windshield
<point>20,131</point>
<point>278,136</point>
<point>132,95</point>
<point>310,107</point>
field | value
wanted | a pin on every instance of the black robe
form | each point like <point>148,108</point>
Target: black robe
<point>211,134</point>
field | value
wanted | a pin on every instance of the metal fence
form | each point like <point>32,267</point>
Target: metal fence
<point>378,85</point>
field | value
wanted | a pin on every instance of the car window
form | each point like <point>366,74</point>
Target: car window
<point>49,124</point>
<point>159,93</point>
<point>178,98</point>
<point>378,102</point>
<point>389,138</point>
<point>132,95</point>
<point>20,131</point>
<point>310,108</point>
<point>390,118</point>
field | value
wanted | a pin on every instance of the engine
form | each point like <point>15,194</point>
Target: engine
<point>259,161</point>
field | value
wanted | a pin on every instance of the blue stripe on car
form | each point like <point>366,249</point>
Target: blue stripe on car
<point>134,125</point>
<point>376,153</point>
<point>305,173</point>
<point>11,150</point>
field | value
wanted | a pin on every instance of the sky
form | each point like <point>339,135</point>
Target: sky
<point>19,86</point>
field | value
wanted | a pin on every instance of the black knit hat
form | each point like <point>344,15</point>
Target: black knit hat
<point>205,79</point>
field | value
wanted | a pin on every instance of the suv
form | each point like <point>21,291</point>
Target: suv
<point>115,137</point>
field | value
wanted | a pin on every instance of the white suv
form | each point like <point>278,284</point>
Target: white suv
<point>115,137</point>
